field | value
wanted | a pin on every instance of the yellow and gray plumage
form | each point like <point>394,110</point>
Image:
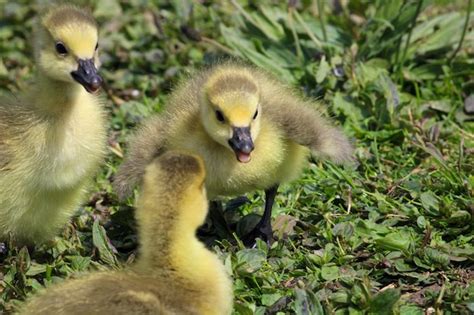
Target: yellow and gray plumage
<point>174,273</point>
<point>252,131</point>
<point>52,137</point>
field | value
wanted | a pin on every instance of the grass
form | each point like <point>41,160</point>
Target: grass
<point>391,235</point>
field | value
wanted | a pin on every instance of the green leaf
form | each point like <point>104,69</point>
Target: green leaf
<point>270,299</point>
<point>384,302</point>
<point>411,310</point>
<point>399,240</point>
<point>247,49</point>
<point>344,106</point>
<point>323,70</point>
<point>24,260</point>
<point>79,263</point>
<point>330,273</point>
<point>107,9</point>
<point>244,309</point>
<point>306,303</point>
<point>340,297</point>
<point>460,217</point>
<point>344,229</point>
<point>402,266</point>
<point>270,28</point>
<point>429,201</point>
<point>101,242</point>
<point>446,34</point>
<point>434,256</point>
<point>36,269</point>
<point>250,260</point>
<point>421,222</point>
<point>34,284</point>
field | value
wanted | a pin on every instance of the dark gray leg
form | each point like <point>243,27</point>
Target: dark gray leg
<point>263,229</point>
<point>216,213</point>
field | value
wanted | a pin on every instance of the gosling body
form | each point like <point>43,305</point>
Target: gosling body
<point>174,273</point>
<point>52,139</point>
<point>251,130</point>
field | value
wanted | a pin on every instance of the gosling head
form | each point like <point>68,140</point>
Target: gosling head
<point>66,46</point>
<point>231,110</point>
<point>177,179</point>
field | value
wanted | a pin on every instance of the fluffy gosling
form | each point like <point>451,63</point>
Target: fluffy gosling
<point>174,274</point>
<point>251,130</point>
<point>53,138</point>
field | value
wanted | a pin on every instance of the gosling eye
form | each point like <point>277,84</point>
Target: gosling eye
<point>61,49</point>
<point>255,115</point>
<point>219,116</point>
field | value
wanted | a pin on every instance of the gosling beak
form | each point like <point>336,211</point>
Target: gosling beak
<point>242,144</point>
<point>86,74</point>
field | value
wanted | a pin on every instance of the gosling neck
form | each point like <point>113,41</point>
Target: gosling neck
<point>54,97</point>
<point>154,230</point>
<point>161,237</point>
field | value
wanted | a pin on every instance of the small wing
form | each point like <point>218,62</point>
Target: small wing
<point>147,143</point>
<point>303,124</point>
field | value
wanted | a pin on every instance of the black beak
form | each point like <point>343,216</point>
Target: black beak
<point>86,74</point>
<point>242,143</point>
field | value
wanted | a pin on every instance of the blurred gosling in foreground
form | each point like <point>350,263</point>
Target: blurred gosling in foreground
<point>52,139</point>
<point>174,274</point>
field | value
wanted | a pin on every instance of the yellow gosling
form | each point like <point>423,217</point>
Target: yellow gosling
<point>252,131</point>
<point>52,139</point>
<point>174,274</point>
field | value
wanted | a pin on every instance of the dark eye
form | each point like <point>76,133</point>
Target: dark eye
<point>219,116</point>
<point>61,49</point>
<point>256,114</point>
<point>96,46</point>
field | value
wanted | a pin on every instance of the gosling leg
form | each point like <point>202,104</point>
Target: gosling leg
<point>216,214</point>
<point>263,229</point>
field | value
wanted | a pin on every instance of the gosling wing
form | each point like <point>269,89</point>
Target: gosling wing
<point>147,143</point>
<point>303,124</point>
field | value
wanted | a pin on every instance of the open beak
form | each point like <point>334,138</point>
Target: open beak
<point>242,144</point>
<point>86,74</point>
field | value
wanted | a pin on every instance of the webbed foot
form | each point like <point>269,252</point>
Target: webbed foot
<point>263,231</point>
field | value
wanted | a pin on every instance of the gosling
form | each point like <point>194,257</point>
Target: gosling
<point>251,130</point>
<point>174,273</point>
<point>53,138</point>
